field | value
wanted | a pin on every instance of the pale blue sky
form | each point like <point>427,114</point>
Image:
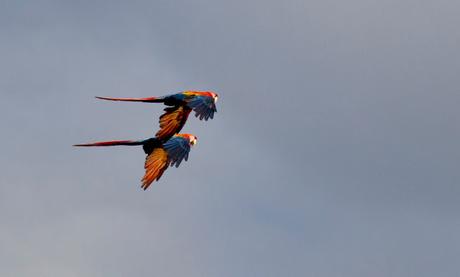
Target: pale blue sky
<point>335,150</point>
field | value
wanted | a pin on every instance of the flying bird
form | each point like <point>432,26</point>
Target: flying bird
<point>203,103</point>
<point>160,154</point>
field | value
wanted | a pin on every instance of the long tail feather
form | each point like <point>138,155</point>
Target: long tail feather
<point>147,99</point>
<point>111,143</point>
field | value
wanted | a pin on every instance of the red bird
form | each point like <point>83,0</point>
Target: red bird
<point>160,154</point>
<point>181,104</point>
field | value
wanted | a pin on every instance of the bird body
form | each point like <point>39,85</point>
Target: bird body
<point>203,103</point>
<point>160,154</point>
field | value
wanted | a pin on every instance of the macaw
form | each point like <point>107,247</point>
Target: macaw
<point>180,106</point>
<point>160,154</point>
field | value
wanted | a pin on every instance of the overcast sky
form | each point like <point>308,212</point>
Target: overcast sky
<point>334,152</point>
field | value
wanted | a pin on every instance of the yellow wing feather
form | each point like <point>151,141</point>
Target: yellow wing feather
<point>172,121</point>
<point>155,164</point>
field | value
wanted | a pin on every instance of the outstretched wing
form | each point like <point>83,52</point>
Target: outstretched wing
<point>203,106</point>
<point>172,121</point>
<point>155,164</point>
<point>178,149</point>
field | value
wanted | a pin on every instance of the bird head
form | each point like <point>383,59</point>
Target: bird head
<point>214,96</point>
<point>191,138</point>
<point>211,94</point>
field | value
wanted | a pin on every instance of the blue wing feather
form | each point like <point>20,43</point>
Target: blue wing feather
<point>178,149</point>
<point>203,106</point>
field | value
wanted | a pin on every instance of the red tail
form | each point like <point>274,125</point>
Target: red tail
<point>147,99</point>
<point>111,143</point>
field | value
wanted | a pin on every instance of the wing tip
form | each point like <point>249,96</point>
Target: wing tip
<point>145,184</point>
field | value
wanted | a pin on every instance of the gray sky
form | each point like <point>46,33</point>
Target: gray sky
<point>335,150</point>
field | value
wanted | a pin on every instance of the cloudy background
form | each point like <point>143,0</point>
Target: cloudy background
<point>335,150</point>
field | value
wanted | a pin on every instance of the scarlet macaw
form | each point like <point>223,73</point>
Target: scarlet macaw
<point>181,104</point>
<point>160,154</point>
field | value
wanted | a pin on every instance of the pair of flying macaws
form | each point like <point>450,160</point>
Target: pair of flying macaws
<point>168,147</point>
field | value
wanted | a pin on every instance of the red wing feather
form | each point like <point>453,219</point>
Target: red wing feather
<point>155,164</point>
<point>172,121</point>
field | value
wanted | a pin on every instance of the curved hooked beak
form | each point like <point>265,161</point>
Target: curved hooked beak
<point>193,141</point>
